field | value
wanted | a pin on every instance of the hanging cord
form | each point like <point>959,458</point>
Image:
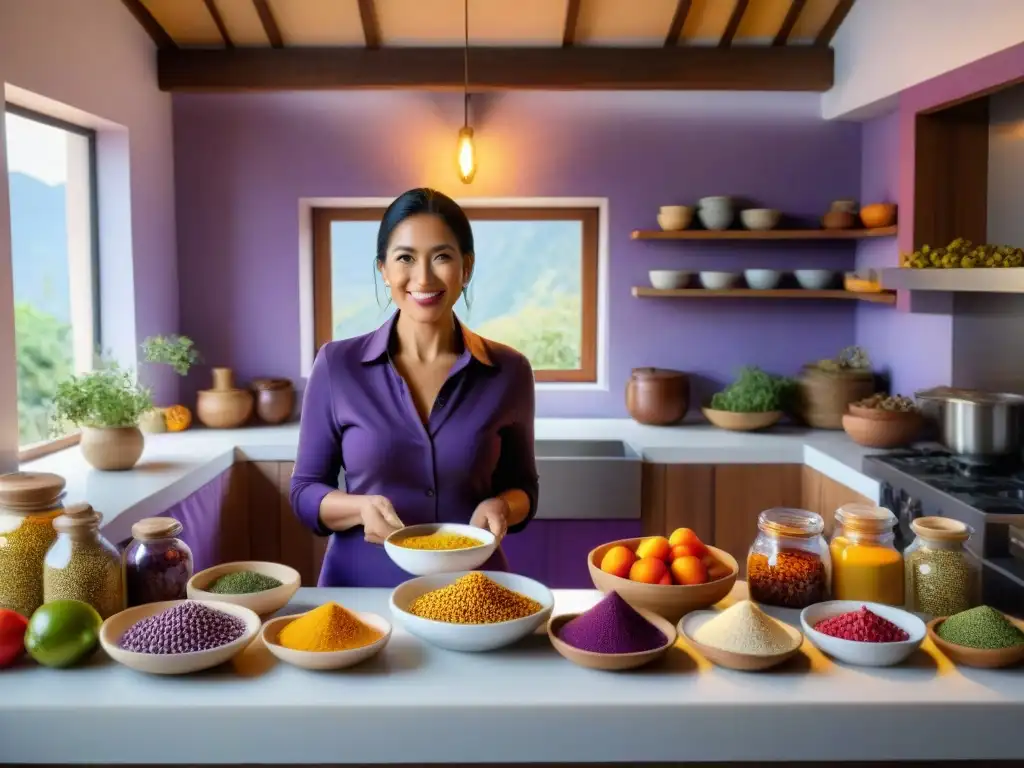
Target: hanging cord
<point>465,59</point>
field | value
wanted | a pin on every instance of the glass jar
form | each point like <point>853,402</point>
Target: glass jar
<point>942,578</point>
<point>82,564</point>
<point>865,562</point>
<point>29,502</point>
<point>788,564</point>
<point>158,564</point>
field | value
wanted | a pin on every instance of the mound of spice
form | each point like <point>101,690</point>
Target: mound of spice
<point>982,627</point>
<point>612,626</point>
<point>328,628</point>
<point>862,626</point>
<point>473,599</point>
<point>745,628</point>
<point>438,541</point>
<point>184,628</point>
<point>243,583</point>
<point>791,578</point>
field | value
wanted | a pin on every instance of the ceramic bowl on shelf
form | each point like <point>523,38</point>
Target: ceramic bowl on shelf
<point>718,281</point>
<point>838,220</point>
<point>323,660</point>
<point>760,219</point>
<point>853,651</point>
<point>815,279</point>
<point>741,422</point>
<point>174,663</point>
<point>983,658</point>
<point>762,279</point>
<point>670,601</point>
<point>882,433</point>
<point>674,217</point>
<point>425,562</point>
<point>669,279</point>
<point>262,603</point>
<point>690,624</point>
<point>878,215</point>
<point>470,637</point>
<point>611,661</point>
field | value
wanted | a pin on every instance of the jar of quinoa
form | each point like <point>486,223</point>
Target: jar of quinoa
<point>158,564</point>
<point>82,565</point>
<point>942,577</point>
<point>788,564</point>
<point>29,502</point>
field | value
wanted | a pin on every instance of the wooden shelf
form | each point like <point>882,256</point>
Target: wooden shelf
<point>747,293</point>
<point>768,234</point>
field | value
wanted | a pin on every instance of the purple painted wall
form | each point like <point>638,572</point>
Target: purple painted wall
<point>243,161</point>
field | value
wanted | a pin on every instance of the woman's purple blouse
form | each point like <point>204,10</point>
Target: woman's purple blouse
<point>358,416</point>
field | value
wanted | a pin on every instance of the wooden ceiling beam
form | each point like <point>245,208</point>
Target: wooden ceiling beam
<point>211,6</point>
<point>269,23</point>
<point>734,23</point>
<point>149,23</point>
<point>675,30</point>
<point>796,7</point>
<point>828,31</point>
<point>371,27</point>
<point>572,16</point>
<point>684,68</point>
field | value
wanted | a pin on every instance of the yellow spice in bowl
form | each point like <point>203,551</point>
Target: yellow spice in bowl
<point>473,599</point>
<point>438,541</point>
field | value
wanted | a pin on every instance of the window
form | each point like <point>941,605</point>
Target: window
<point>51,177</point>
<point>534,284</point>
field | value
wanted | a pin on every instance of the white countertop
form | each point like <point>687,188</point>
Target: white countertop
<point>173,466</point>
<point>418,704</point>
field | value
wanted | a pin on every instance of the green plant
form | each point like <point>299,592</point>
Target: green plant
<point>105,397</point>
<point>849,360</point>
<point>755,391</point>
<point>179,352</point>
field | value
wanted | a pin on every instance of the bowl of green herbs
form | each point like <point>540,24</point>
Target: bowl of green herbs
<point>755,400</point>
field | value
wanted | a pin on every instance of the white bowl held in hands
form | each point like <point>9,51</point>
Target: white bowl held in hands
<point>174,663</point>
<point>668,279</point>
<point>858,653</point>
<point>718,281</point>
<point>762,279</point>
<point>321,660</point>
<point>425,562</point>
<point>263,603</point>
<point>470,637</point>
<point>815,279</point>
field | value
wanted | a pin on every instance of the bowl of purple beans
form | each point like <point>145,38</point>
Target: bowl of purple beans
<point>177,637</point>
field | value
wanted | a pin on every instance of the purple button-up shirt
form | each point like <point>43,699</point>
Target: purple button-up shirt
<point>358,415</point>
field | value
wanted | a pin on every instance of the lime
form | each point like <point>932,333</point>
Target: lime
<point>62,633</point>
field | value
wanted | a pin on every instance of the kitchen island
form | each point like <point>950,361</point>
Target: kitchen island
<point>416,704</point>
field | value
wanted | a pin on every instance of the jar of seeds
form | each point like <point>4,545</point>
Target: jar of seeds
<point>789,563</point>
<point>158,564</point>
<point>29,502</point>
<point>942,578</point>
<point>82,565</point>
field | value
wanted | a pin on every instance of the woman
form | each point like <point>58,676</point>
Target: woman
<point>430,422</point>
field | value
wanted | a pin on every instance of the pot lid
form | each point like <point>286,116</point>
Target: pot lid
<point>970,396</point>
<point>156,528</point>
<point>36,489</point>
<point>650,374</point>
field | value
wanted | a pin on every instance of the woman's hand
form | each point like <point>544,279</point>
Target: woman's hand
<point>492,515</point>
<point>378,518</point>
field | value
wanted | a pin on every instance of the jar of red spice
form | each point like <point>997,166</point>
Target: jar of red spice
<point>788,564</point>
<point>158,564</point>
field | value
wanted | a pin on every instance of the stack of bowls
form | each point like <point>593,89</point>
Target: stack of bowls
<point>716,213</point>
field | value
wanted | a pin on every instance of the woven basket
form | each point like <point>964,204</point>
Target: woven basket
<point>824,396</point>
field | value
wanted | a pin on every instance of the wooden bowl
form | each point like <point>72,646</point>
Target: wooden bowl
<point>878,215</point>
<point>322,660</point>
<point>744,662</point>
<point>670,601</point>
<point>741,422</point>
<point>977,657</point>
<point>262,603</point>
<point>882,433</point>
<point>838,220</point>
<point>177,663</point>
<point>882,414</point>
<point>613,662</point>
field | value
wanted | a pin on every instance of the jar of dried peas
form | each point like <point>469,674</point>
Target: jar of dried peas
<point>942,577</point>
<point>29,502</point>
<point>865,562</point>
<point>788,564</point>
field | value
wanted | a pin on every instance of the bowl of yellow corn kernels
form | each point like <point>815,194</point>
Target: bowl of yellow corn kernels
<point>424,550</point>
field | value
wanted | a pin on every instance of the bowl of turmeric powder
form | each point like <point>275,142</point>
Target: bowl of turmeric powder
<point>432,548</point>
<point>327,637</point>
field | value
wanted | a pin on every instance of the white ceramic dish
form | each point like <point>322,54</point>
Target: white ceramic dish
<point>263,603</point>
<point>815,279</point>
<point>178,663</point>
<point>470,637</point>
<point>668,279</point>
<point>718,281</point>
<point>322,660</point>
<point>762,279</point>
<point>760,219</point>
<point>425,562</point>
<point>863,654</point>
<point>691,623</point>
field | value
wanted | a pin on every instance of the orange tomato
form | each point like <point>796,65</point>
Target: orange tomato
<point>685,550</point>
<point>178,418</point>
<point>666,580</point>
<point>689,570</point>
<point>648,570</point>
<point>715,568</point>
<point>689,538</point>
<point>617,561</point>
<point>654,546</point>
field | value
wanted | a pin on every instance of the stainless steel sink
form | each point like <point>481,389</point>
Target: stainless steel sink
<point>588,480</point>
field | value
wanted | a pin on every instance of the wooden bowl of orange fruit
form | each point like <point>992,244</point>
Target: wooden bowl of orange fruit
<point>669,576</point>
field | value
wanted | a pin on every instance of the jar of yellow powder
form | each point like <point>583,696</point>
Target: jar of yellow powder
<point>865,562</point>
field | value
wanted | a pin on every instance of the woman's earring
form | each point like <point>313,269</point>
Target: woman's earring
<point>387,284</point>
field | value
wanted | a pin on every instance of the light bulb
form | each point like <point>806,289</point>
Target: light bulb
<point>466,155</point>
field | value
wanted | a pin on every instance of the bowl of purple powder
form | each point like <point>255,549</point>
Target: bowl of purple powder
<point>613,635</point>
<point>177,637</point>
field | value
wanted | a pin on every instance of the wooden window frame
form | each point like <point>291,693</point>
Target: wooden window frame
<point>588,217</point>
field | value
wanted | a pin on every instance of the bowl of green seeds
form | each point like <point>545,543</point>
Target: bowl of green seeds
<point>262,587</point>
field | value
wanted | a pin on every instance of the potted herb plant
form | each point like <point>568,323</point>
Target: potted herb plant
<point>827,387</point>
<point>180,353</point>
<point>755,400</point>
<point>106,404</point>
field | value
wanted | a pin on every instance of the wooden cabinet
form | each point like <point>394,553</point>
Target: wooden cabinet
<point>677,496</point>
<point>824,495</point>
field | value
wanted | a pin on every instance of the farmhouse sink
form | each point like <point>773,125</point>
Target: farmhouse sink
<point>588,480</point>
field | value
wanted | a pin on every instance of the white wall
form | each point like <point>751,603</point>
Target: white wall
<point>885,46</point>
<point>90,62</point>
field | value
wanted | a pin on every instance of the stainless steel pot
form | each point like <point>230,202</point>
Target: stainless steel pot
<point>974,423</point>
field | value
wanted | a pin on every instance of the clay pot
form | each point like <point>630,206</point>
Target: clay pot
<point>657,396</point>
<point>275,400</point>
<point>838,220</point>
<point>112,448</point>
<point>878,215</point>
<point>224,406</point>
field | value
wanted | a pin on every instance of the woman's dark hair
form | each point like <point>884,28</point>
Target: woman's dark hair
<point>419,201</point>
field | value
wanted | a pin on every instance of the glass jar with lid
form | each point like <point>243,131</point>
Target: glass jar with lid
<point>29,502</point>
<point>865,562</point>
<point>82,564</point>
<point>942,577</point>
<point>788,564</point>
<point>158,564</point>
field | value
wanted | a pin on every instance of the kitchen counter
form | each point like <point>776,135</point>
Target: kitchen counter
<point>417,704</point>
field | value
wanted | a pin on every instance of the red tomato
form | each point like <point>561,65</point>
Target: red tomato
<point>12,636</point>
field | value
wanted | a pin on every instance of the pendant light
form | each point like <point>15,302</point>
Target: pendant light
<point>466,152</point>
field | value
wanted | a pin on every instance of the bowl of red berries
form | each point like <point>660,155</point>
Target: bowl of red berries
<point>862,633</point>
